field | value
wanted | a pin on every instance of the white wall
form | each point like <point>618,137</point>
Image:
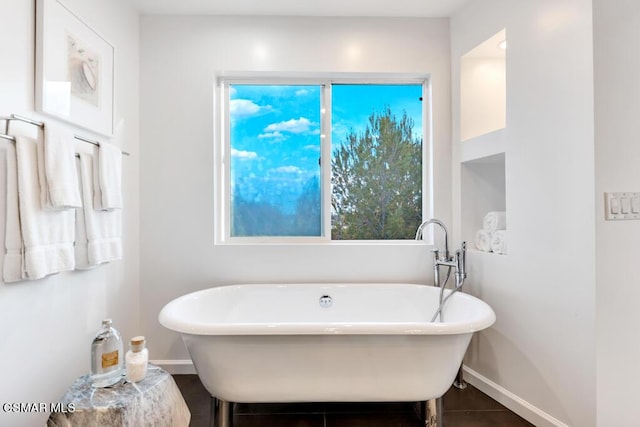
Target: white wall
<point>617,108</point>
<point>179,56</point>
<point>542,348</point>
<point>47,325</point>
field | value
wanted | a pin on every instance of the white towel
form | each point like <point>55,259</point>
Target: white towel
<point>108,178</point>
<point>499,242</point>
<point>81,245</point>
<point>12,268</point>
<point>483,240</point>
<point>47,235</point>
<point>494,221</point>
<point>103,228</point>
<point>57,167</point>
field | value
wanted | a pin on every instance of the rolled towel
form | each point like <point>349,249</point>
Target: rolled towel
<point>499,242</point>
<point>483,240</point>
<point>494,221</point>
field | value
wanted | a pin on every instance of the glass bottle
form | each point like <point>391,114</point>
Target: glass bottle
<point>137,359</point>
<point>106,356</point>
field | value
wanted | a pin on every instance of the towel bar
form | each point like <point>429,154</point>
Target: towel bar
<point>40,124</point>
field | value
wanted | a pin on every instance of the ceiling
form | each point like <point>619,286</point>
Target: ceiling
<point>376,8</point>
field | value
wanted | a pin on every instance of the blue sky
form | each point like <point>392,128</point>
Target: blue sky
<point>275,132</point>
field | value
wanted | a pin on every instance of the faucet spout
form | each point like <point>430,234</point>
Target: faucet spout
<point>420,232</point>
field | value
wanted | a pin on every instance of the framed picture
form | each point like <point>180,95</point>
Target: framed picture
<point>74,69</point>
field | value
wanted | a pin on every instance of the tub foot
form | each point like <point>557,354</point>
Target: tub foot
<point>459,382</point>
<point>432,413</point>
<point>221,413</point>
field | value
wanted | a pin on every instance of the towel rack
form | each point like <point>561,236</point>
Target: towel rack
<point>40,124</point>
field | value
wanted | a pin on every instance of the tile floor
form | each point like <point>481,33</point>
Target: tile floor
<point>462,408</point>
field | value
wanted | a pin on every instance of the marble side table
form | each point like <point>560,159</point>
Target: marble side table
<point>155,401</point>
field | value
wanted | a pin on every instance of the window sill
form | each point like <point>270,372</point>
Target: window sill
<point>318,242</point>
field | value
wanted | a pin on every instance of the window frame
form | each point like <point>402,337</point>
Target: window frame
<point>222,149</point>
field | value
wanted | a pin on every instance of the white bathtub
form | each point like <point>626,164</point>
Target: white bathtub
<point>276,343</point>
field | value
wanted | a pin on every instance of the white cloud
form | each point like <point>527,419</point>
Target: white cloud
<point>287,169</point>
<point>301,125</point>
<point>241,108</point>
<point>272,135</point>
<point>301,92</point>
<point>241,154</point>
<point>312,147</point>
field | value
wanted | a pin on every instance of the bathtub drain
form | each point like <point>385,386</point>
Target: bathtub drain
<point>326,301</point>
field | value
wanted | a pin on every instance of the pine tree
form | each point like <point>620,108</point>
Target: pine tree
<point>377,181</point>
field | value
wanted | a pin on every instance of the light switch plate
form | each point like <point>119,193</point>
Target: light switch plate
<point>621,206</point>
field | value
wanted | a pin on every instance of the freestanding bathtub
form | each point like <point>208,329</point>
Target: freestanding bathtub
<point>325,342</point>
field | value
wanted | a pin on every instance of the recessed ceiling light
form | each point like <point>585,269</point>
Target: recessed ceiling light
<point>502,44</point>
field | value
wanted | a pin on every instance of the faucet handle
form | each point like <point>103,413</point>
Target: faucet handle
<point>436,254</point>
<point>461,259</point>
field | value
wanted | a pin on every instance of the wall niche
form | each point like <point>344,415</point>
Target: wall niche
<point>483,190</point>
<point>483,88</point>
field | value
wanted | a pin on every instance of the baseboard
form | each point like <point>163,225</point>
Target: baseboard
<point>515,403</point>
<point>176,367</point>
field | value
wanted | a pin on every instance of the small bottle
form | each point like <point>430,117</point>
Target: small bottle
<point>106,356</point>
<point>137,359</point>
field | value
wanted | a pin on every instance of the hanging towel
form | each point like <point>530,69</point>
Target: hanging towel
<point>499,242</point>
<point>12,268</point>
<point>483,240</point>
<point>81,246</point>
<point>102,228</point>
<point>47,235</point>
<point>107,177</point>
<point>57,167</point>
<point>494,221</point>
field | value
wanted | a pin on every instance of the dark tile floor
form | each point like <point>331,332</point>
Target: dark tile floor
<point>462,408</point>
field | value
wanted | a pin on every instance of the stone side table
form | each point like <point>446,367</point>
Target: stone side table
<point>155,401</point>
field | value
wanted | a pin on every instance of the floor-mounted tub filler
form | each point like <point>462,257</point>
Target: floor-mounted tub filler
<point>325,342</point>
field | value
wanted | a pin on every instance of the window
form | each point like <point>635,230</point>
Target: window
<point>322,160</point>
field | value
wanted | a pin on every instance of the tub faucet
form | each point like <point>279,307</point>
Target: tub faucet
<point>458,262</point>
<point>420,232</point>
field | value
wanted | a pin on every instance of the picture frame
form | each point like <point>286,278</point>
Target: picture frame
<point>74,69</point>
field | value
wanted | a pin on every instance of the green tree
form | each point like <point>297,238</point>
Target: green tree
<point>377,181</point>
